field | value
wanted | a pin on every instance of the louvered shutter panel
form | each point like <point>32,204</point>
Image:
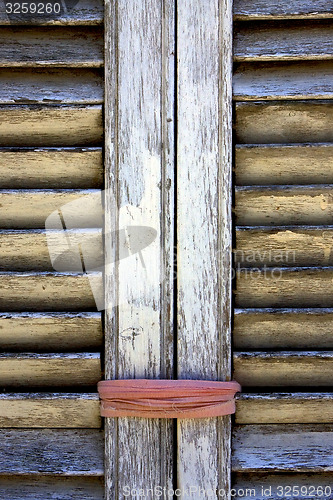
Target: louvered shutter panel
<point>51,339</point>
<point>283,326</point>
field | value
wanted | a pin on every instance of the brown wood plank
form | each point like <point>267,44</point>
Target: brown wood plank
<point>284,164</point>
<point>33,332</point>
<point>282,448</point>
<point>283,329</point>
<point>50,126</point>
<point>284,287</point>
<point>48,46</point>
<point>250,10</point>
<point>266,206</point>
<point>284,408</point>
<point>32,208</point>
<point>51,168</point>
<point>22,250</point>
<point>298,80</point>
<point>284,122</point>
<point>49,410</point>
<point>298,368</point>
<point>60,452</point>
<point>49,291</point>
<point>51,86</point>
<point>283,246</point>
<point>49,370</point>
<point>42,488</point>
<point>297,40</point>
<point>83,13</point>
<point>276,486</point>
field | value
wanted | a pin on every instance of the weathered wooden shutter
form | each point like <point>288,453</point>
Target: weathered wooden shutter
<point>51,133</point>
<point>283,327</point>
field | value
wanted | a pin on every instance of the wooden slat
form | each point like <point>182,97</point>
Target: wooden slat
<point>84,12</point>
<point>284,164</point>
<point>276,486</point>
<point>277,205</point>
<point>306,369</point>
<point>283,329</point>
<point>60,168</point>
<point>284,122</point>
<point>52,86</point>
<point>55,410</point>
<point>283,246</point>
<point>58,452</point>
<point>304,80</point>
<point>61,47</point>
<point>49,291</point>
<point>50,126</point>
<point>28,250</point>
<point>139,174</point>
<point>283,41</point>
<point>275,9</point>
<point>30,208</point>
<point>288,287</point>
<point>41,488</point>
<point>204,230</point>
<point>50,331</point>
<point>284,408</point>
<point>49,370</point>
<point>282,448</point>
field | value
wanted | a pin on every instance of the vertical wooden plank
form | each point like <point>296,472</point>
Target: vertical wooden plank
<point>204,232</point>
<point>139,157</point>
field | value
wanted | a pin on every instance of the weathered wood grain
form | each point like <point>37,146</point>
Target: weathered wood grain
<point>284,287</point>
<point>283,329</point>
<point>51,86</point>
<point>49,410</point>
<point>49,370</point>
<point>274,486</point>
<point>83,13</point>
<point>59,452</point>
<point>30,208</point>
<point>284,246</point>
<point>275,9</point>
<point>37,125</point>
<point>49,291</point>
<point>204,229</point>
<point>43,487</point>
<point>298,368</point>
<point>47,46</point>
<point>61,168</point>
<point>22,250</point>
<point>288,41</point>
<point>298,121</point>
<point>284,408</point>
<point>282,448</point>
<point>275,205</point>
<point>139,168</point>
<point>52,332</point>
<point>301,80</point>
<point>284,164</point>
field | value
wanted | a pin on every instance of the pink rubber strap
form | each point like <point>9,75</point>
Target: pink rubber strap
<point>167,398</point>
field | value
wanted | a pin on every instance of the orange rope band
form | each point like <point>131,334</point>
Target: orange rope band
<point>167,398</point>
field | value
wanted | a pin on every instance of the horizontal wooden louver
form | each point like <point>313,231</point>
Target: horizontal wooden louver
<point>283,266</point>
<point>51,337</point>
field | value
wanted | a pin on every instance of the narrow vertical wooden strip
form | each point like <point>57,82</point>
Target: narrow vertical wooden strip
<point>204,233</point>
<point>139,176</point>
